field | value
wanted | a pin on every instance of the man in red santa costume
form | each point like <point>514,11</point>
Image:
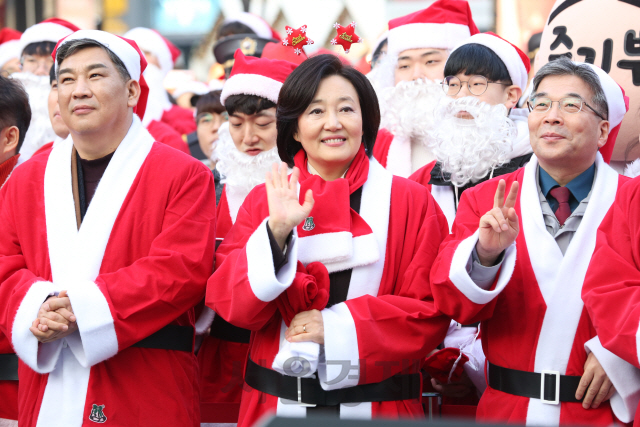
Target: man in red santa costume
<point>117,245</point>
<point>546,365</point>
<point>36,46</point>
<point>9,51</point>
<point>246,151</point>
<point>15,116</point>
<point>418,47</point>
<point>165,121</point>
<point>479,134</point>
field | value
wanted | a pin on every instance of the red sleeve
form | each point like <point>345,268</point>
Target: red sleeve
<point>180,119</point>
<point>611,290</point>
<point>162,132</point>
<point>423,175</point>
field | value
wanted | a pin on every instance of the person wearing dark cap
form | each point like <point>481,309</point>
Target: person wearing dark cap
<point>106,246</point>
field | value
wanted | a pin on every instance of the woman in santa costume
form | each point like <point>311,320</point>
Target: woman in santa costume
<point>330,266</point>
<point>517,261</point>
<point>246,150</point>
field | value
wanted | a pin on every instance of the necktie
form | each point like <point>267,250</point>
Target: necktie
<point>561,194</point>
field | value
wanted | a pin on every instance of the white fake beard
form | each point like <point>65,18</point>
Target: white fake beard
<point>407,108</point>
<point>158,101</point>
<point>40,130</point>
<point>241,172</point>
<point>469,149</point>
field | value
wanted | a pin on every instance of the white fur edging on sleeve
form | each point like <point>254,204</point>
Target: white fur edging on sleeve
<point>41,358</point>
<point>624,376</point>
<point>265,284</point>
<point>460,278</point>
<point>340,348</point>
<point>97,340</point>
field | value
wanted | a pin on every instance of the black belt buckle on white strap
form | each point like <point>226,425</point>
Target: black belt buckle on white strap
<point>548,386</point>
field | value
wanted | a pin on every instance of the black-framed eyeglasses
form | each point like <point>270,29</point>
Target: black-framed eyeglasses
<point>477,85</point>
<point>569,104</point>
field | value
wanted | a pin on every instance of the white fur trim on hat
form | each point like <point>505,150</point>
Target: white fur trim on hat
<point>8,51</point>
<point>195,87</point>
<point>251,84</point>
<point>149,40</point>
<point>127,54</point>
<point>257,24</point>
<point>43,32</point>
<point>426,35</point>
<point>506,53</point>
<point>613,93</point>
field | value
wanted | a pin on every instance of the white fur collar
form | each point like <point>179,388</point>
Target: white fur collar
<point>633,169</point>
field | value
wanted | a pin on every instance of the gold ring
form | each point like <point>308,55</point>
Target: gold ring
<point>304,328</point>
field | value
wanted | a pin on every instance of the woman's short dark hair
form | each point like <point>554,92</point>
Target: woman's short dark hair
<point>210,103</point>
<point>247,104</point>
<point>39,48</point>
<point>476,59</point>
<point>298,92</point>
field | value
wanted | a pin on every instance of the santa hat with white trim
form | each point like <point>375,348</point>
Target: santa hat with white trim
<point>256,76</point>
<point>125,49</point>
<point>617,103</point>
<point>50,30</point>
<point>256,23</point>
<point>516,61</point>
<point>9,45</point>
<point>442,25</point>
<point>152,41</point>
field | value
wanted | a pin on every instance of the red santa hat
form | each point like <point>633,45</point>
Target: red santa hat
<point>442,25</point>
<point>9,45</point>
<point>125,49</point>
<point>618,105</point>
<point>256,76</point>
<point>516,61</point>
<point>49,30</point>
<point>256,23</point>
<point>278,51</point>
<point>152,41</point>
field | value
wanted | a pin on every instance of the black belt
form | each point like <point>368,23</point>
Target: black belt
<point>171,337</point>
<point>225,331</point>
<point>530,384</point>
<point>8,367</point>
<point>309,391</point>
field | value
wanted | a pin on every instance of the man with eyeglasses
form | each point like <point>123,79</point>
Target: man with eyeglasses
<point>546,365</point>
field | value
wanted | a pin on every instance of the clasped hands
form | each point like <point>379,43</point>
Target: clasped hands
<point>55,319</point>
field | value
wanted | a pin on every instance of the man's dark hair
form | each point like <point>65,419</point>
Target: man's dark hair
<point>247,104</point>
<point>52,74</point>
<point>39,48</point>
<point>14,107</point>
<point>210,103</point>
<point>74,46</point>
<point>232,28</point>
<point>376,53</point>
<point>299,90</point>
<point>476,59</point>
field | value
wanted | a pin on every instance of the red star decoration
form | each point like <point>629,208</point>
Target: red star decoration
<point>297,38</point>
<point>346,36</point>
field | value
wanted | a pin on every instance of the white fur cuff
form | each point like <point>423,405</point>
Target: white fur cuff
<point>265,284</point>
<point>460,277</point>
<point>97,340</point>
<point>342,356</point>
<point>41,358</point>
<point>624,376</point>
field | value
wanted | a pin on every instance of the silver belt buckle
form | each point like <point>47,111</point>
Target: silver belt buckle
<point>556,401</point>
<point>300,402</point>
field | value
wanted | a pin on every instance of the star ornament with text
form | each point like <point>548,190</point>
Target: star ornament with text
<point>297,38</point>
<point>346,36</point>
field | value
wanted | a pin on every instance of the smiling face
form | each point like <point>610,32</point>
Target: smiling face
<point>59,127</point>
<point>254,133</point>
<point>330,129</point>
<point>92,95</point>
<point>566,140</point>
<point>416,64</point>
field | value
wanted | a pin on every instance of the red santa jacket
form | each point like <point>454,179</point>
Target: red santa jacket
<point>408,227</point>
<point>139,262</point>
<point>180,119</point>
<point>533,318</point>
<point>164,133</point>
<point>611,290</point>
